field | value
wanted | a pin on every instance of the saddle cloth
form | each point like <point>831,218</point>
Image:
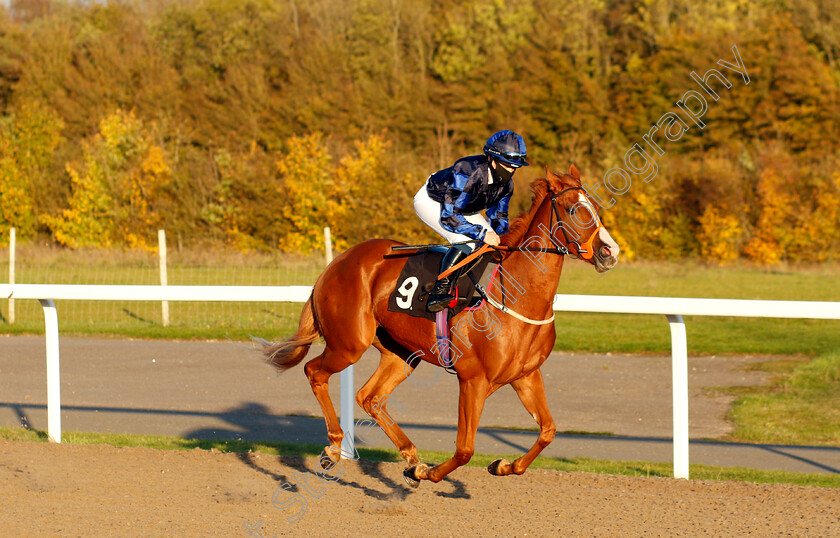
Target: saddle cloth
<point>418,278</point>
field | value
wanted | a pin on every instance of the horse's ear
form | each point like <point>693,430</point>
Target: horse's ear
<point>574,172</point>
<point>554,181</point>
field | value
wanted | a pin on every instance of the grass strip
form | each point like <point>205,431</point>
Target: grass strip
<point>585,465</point>
<point>802,406</point>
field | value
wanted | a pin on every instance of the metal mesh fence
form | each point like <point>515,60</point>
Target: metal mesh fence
<point>43,265</point>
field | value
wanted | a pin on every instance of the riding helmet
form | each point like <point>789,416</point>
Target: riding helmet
<point>508,147</point>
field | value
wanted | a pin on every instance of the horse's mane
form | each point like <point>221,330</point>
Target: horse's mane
<point>519,226</point>
<point>540,188</point>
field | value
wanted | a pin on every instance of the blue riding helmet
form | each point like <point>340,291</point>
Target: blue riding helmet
<point>508,147</point>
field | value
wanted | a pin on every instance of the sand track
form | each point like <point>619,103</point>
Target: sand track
<point>86,490</point>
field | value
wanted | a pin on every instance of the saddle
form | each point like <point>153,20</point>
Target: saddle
<point>418,278</point>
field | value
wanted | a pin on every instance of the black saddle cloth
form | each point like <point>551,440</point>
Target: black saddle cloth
<point>418,278</point>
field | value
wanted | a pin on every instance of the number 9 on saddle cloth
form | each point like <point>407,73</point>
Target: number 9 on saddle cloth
<point>418,277</point>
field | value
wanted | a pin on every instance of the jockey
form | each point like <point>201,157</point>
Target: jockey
<point>451,201</point>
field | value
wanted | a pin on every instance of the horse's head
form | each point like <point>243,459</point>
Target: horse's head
<point>574,222</point>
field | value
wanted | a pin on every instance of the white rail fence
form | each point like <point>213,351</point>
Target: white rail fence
<point>672,308</point>
<point>150,268</point>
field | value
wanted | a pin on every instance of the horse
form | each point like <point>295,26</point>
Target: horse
<point>349,309</point>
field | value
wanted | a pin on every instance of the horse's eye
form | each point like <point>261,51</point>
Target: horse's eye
<point>572,210</point>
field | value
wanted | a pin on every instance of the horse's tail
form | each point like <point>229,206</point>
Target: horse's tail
<point>291,351</point>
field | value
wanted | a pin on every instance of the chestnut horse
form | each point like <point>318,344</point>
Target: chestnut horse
<point>349,308</point>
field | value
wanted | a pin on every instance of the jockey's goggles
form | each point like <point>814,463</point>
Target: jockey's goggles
<point>513,159</point>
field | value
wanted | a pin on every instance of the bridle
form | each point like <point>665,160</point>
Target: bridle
<point>581,250</point>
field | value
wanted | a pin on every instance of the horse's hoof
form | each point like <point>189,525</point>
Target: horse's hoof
<point>326,454</point>
<point>493,468</point>
<point>410,479</point>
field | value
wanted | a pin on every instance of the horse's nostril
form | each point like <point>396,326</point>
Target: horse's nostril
<point>605,251</point>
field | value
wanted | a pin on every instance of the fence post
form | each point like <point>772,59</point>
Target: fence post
<point>164,305</point>
<point>53,372</point>
<point>679,373</point>
<point>347,402</point>
<point>12,247</point>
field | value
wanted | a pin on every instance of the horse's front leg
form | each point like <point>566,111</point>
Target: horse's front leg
<point>473,393</point>
<point>531,392</point>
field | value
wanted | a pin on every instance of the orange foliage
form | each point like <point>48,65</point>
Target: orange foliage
<point>817,237</point>
<point>313,197</point>
<point>773,230</point>
<point>113,200</point>
<point>719,235</point>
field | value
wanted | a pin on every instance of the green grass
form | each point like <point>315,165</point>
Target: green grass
<point>585,465</point>
<point>801,407</point>
<point>575,331</point>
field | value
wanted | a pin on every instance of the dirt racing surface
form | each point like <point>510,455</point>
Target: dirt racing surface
<point>50,489</point>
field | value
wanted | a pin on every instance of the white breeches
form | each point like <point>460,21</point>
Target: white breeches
<point>429,212</point>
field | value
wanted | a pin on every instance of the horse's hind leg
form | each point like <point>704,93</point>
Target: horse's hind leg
<point>373,398</point>
<point>531,392</point>
<point>319,370</point>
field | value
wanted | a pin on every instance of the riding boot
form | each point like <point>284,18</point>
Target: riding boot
<point>441,294</point>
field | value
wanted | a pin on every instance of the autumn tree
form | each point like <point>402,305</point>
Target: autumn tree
<point>116,191</point>
<point>313,198</point>
<point>776,221</point>
<point>27,145</point>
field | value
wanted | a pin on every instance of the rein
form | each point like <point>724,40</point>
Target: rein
<point>561,251</point>
<point>581,251</point>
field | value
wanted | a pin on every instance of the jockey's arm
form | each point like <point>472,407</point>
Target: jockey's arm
<point>455,200</point>
<point>498,216</point>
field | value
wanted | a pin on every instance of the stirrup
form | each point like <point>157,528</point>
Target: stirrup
<point>439,304</point>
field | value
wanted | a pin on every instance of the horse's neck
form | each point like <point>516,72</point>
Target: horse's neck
<point>538,273</point>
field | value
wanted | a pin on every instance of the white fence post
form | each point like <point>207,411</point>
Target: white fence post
<point>347,402</point>
<point>53,372</point>
<point>679,375</point>
<point>12,247</point>
<point>164,305</point>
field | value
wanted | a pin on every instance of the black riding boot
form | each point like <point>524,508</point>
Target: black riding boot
<point>441,294</point>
